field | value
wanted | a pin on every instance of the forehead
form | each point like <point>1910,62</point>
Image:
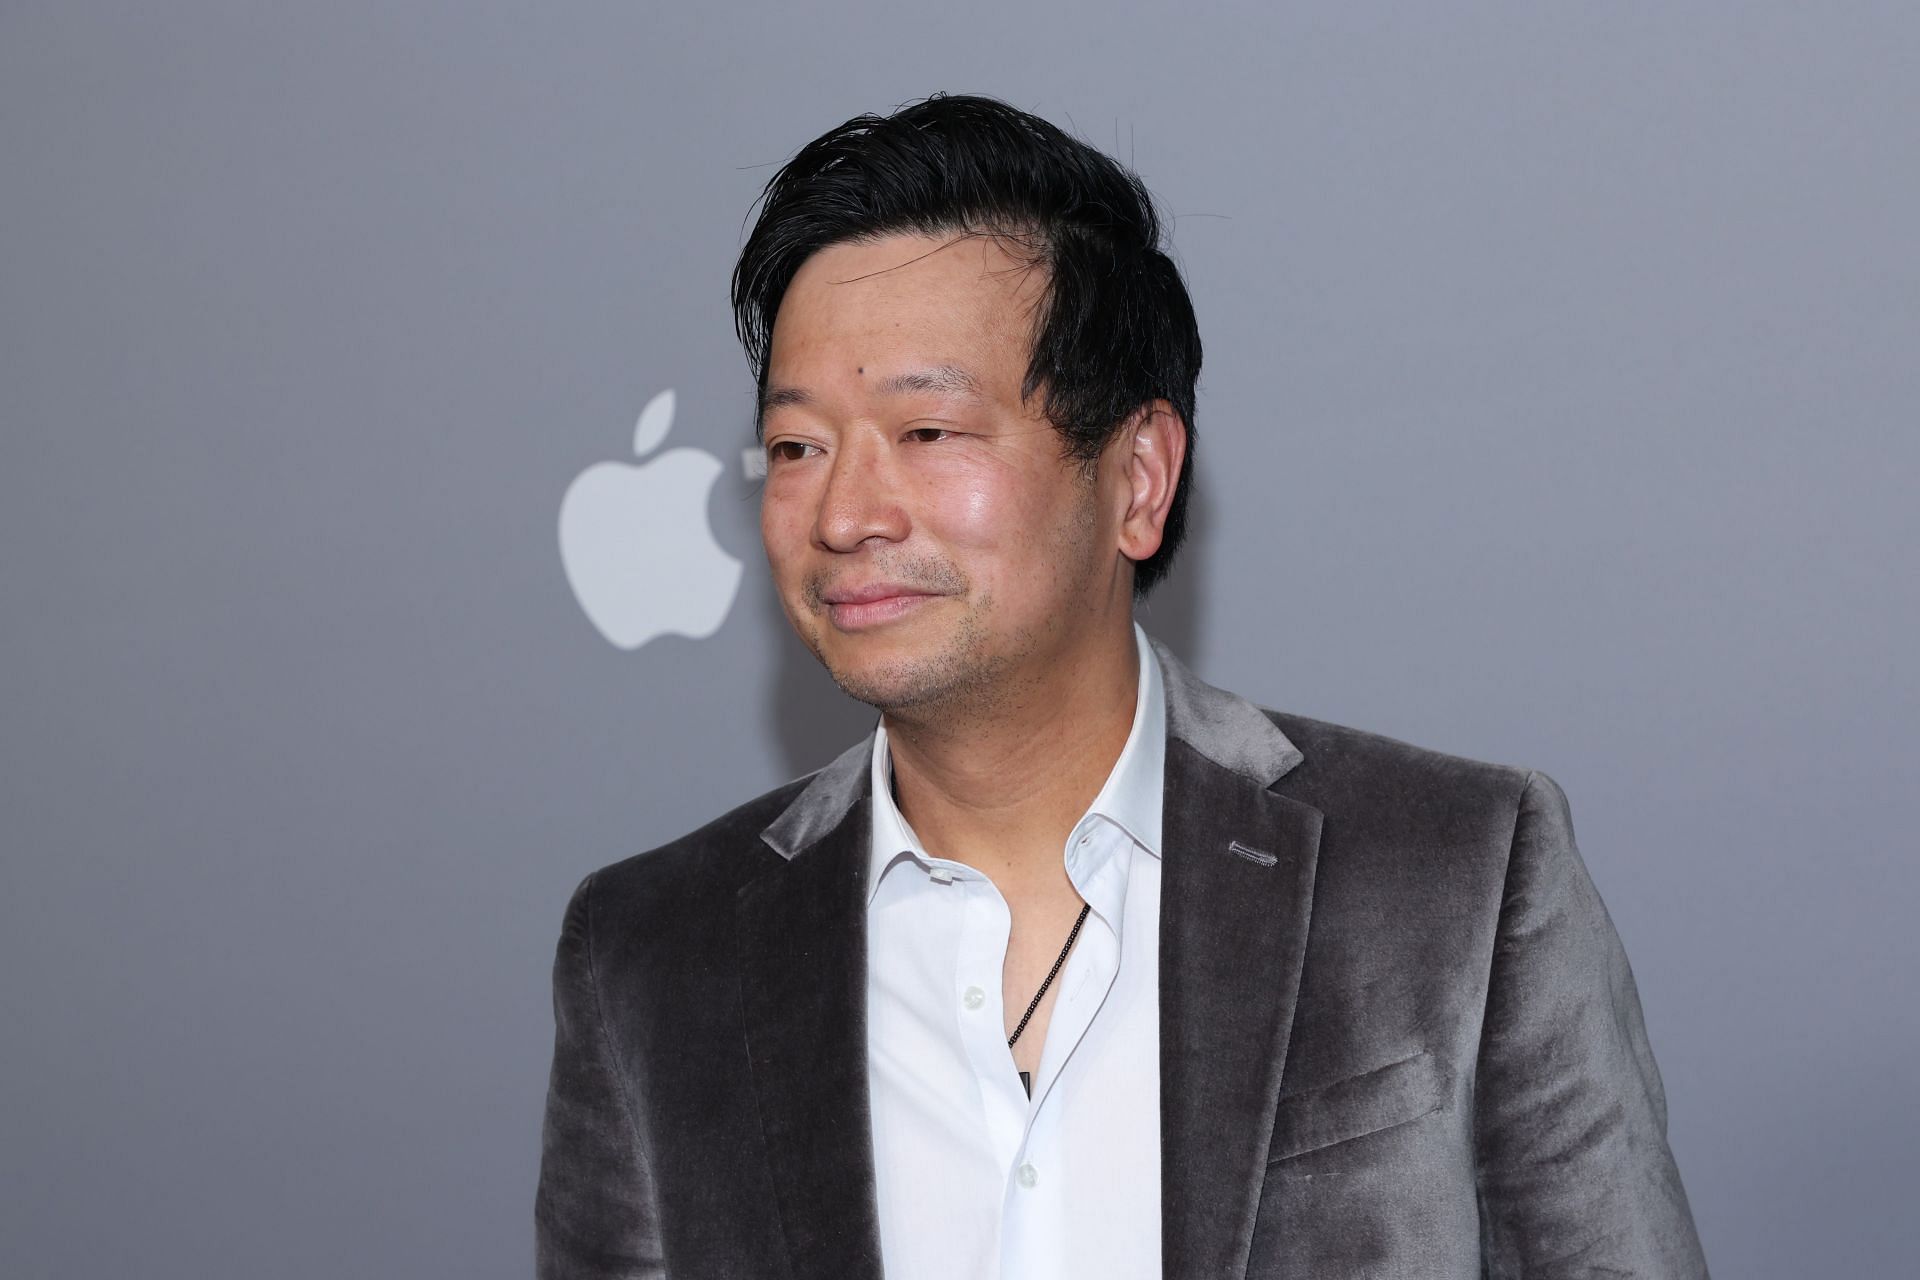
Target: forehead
<point>960,299</point>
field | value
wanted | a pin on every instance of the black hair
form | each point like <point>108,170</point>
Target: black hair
<point>1117,328</point>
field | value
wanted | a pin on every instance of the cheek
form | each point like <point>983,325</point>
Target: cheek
<point>980,513</point>
<point>784,528</point>
<point>1017,539</point>
<point>982,508</point>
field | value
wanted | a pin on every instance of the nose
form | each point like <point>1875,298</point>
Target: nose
<point>861,499</point>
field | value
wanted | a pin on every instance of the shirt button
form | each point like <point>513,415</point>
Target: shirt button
<point>1027,1175</point>
<point>974,997</point>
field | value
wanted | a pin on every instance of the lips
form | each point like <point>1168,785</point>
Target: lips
<point>873,605</point>
<point>871,593</point>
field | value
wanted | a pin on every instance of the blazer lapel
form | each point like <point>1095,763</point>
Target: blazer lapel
<point>801,937</point>
<point>1237,893</point>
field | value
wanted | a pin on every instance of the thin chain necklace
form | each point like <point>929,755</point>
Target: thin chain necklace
<point>1026,1077</point>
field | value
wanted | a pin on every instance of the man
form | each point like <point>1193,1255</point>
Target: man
<point>1077,966</point>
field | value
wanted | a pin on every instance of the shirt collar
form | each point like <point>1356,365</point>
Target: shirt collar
<point>1131,797</point>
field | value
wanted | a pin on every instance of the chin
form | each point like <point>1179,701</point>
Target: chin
<point>888,685</point>
<point>901,673</point>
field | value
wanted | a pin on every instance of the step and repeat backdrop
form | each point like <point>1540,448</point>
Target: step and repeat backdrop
<point>379,551</point>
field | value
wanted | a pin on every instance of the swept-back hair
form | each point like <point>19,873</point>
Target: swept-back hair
<point>1116,328</point>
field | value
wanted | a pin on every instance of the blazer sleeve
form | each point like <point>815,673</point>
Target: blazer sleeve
<point>1570,1131</point>
<point>595,1213</point>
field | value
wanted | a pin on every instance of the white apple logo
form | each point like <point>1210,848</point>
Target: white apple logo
<point>636,546</point>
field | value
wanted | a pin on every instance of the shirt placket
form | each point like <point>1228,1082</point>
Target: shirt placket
<point>985,927</point>
<point>1034,1238</point>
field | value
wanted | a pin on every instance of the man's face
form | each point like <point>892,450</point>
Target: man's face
<point>930,541</point>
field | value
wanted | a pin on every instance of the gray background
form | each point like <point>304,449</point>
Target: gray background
<point>1558,410</point>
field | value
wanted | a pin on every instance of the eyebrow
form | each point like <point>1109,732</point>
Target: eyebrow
<point>949,379</point>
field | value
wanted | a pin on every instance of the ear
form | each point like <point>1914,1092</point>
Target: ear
<point>1153,449</point>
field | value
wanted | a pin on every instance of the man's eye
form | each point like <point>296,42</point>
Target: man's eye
<point>927,435</point>
<point>788,450</point>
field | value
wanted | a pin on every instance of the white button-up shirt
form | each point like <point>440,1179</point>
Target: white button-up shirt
<point>975,1179</point>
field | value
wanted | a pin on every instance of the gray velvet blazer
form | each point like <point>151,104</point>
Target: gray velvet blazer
<point>1398,1034</point>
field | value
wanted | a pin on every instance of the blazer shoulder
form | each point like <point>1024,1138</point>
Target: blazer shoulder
<point>716,857</point>
<point>1340,761</point>
<point>1442,826</point>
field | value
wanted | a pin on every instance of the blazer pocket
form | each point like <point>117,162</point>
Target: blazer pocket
<point>1395,1094</point>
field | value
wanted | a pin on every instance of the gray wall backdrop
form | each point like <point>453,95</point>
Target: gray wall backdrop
<point>1559,410</point>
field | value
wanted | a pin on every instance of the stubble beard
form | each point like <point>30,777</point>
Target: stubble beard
<point>956,674</point>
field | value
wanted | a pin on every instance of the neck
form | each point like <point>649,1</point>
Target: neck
<point>1002,791</point>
